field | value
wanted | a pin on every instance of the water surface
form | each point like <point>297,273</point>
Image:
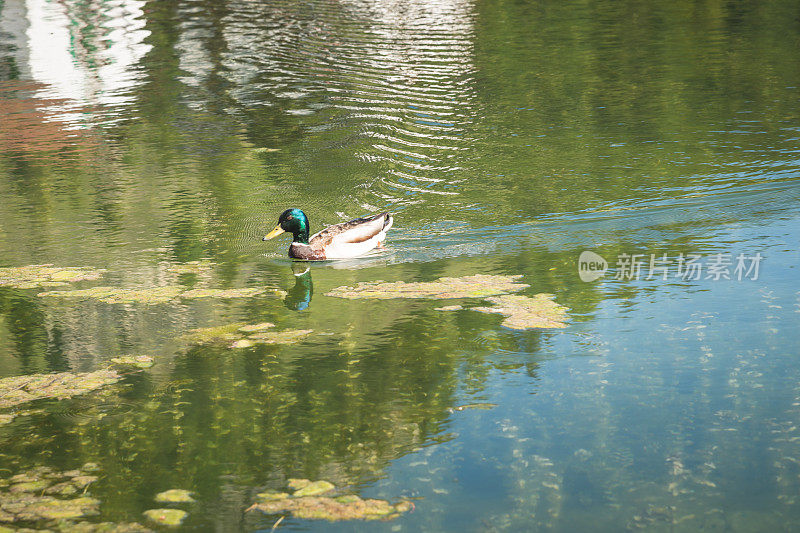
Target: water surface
<point>507,138</point>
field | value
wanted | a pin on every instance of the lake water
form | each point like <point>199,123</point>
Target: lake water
<point>507,138</point>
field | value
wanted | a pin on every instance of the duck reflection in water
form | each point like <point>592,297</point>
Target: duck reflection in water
<point>299,297</point>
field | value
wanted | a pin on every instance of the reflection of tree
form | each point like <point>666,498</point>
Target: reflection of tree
<point>36,349</point>
<point>340,408</point>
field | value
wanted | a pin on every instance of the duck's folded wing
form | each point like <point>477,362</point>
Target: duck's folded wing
<point>353,238</point>
<point>355,231</point>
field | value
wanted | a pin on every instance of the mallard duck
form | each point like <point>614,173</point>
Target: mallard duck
<point>348,239</point>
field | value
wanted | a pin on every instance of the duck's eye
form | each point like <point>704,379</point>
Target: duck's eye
<point>290,217</point>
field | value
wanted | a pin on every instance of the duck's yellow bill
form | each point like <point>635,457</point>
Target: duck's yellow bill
<point>274,233</point>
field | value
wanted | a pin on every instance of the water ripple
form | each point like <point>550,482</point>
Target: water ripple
<point>397,73</point>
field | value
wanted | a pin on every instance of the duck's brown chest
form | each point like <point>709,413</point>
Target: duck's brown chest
<point>304,251</point>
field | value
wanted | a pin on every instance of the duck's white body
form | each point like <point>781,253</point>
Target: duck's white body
<point>348,239</point>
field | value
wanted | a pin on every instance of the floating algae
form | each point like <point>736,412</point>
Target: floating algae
<point>166,517</point>
<point>297,484</point>
<point>522,312</point>
<point>32,276</point>
<point>287,336</point>
<point>116,295</point>
<point>154,295</point>
<point>33,507</point>
<point>65,488</point>
<point>476,286</point>
<point>245,292</point>
<point>214,334</point>
<point>25,500</point>
<point>450,308</point>
<point>83,481</point>
<point>102,527</point>
<point>314,488</point>
<point>240,335</point>
<point>306,503</point>
<point>175,496</point>
<point>256,327</point>
<point>132,362</point>
<point>21,389</point>
<point>29,486</point>
<point>270,495</point>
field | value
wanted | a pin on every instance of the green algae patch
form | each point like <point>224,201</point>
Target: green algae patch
<point>252,328</point>
<point>239,335</point>
<point>522,312</point>
<point>476,286</point>
<point>102,527</point>
<point>287,336</point>
<point>64,488</point>
<point>154,295</point>
<point>22,389</point>
<point>333,509</point>
<point>32,496</point>
<point>83,481</point>
<point>450,308</point>
<point>166,517</point>
<point>33,506</point>
<point>308,502</point>
<point>7,419</point>
<point>116,295</point>
<point>214,334</point>
<point>132,362</point>
<point>297,483</point>
<point>54,509</point>
<point>29,486</point>
<point>314,488</point>
<point>246,292</point>
<point>270,495</point>
<point>33,276</point>
<point>175,496</point>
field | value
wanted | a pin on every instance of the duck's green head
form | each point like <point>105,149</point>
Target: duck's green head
<point>292,221</point>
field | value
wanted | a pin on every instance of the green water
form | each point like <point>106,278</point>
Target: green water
<point>506,137</point>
